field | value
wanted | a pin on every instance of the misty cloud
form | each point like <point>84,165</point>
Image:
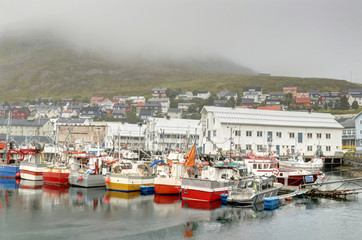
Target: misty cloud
<point>282,37</point>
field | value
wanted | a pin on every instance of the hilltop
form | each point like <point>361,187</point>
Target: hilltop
<point>33,67</point>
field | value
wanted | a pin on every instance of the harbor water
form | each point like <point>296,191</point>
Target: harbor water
<point>53,213</point>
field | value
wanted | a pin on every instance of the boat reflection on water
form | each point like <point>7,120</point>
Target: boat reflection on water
<point>87,196</point>
<point>200,204</point>
<point>9,183</point>
<point>30,184</point>
<point>120,195</point>
<point>166,199</point>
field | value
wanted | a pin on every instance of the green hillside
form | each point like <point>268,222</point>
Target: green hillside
<point>35,67</point>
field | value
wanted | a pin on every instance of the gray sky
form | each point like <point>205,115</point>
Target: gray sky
<point>306,38</point>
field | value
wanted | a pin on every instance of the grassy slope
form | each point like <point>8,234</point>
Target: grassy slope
<point>30,69</point>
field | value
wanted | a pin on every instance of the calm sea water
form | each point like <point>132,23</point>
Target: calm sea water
<point>78,213</point>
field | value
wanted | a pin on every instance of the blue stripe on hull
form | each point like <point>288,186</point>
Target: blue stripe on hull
<point>116,190</point>
<point>8,171</point>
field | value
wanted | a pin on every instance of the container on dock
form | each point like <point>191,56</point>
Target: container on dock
<point>224,198</point>
<point>271,203</point>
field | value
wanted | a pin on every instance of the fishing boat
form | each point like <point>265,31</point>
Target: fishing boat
<point>169,175</point>
<point>212,182</point>
<point>253,190</point>
<point>286,176</point>
<point>9,163</point>
<point>33,167</point>
<point>87,171</point>
<point>314,165</point>
<point>128,176</point>
<point>58,173</point>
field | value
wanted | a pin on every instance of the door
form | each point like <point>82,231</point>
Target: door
<point>270,136</point>
<point>300,137</point>
<point>278,149</point>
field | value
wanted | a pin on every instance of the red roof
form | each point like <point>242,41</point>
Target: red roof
<point>114,100</point>
<point>97,99</point>
<point>302,95</point>
<point>274,108</point>
<point>289,88</point>
<point>141,104</point>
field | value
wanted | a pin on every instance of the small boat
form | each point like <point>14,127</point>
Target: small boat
<point>314,165</point>
<point>253,190</point>
<point>286,176</point>
<point>128,176</point>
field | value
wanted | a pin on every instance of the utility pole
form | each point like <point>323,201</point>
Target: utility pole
<point>139,141</point>
<point>231,141</point>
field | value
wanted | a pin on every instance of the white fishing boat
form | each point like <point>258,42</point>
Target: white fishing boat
<point>87,171</point>
<point>33,167</point>
<point>253,190</point>
<point>314,165</point>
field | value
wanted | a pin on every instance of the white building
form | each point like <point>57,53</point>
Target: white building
<point>165,103</point>
<point>124,134</point>
<point>203,95</point>
<point>185,96</point>
<point>253,130</point>
<point>176,134</point>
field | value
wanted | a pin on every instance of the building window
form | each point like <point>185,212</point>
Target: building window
<point>248,133</point>
<point>319,135</point>
<point>237,133</point>
<point>328,148</point>
<point>309,135</point>
<point>259,133</point>
<point>279,134</point>
<point>309,148</point>
<point>328,136</point>
<point>248,146</point>
<point>259,147</point>
<point>214,133</point>
<point>360,121</point>
<point>291,135</point>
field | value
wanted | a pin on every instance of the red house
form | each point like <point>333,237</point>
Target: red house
<point>159,92</point>
<point>20,113</point>
<point>303,100</point>
<point>96,100</point>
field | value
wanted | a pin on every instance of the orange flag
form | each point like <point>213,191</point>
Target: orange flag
<point>190,157</point>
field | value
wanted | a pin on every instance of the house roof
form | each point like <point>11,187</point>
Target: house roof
<point>273,108</point>
<point>289,88</point>
<point>71,120</point>
<point>119,112</point>
<point>252,89</point>
<point>347,122</point>
<point>174,110</point>
<point>302,95</point>
<point>146,112</point>
<point>24,122</point>
<point>273,118</point>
